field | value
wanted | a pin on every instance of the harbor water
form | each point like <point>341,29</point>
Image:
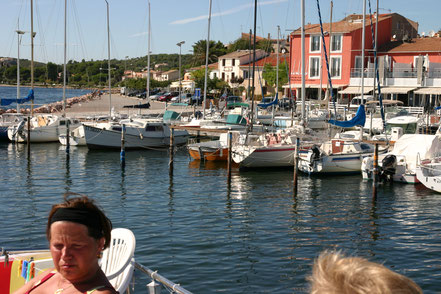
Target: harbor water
<point>42,95</point>
<point>250,237</point>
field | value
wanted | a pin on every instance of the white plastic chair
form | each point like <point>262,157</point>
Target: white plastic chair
<point>118,262</point>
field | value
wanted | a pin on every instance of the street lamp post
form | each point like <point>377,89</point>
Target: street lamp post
<point>125,77</point>
<point>18,66</point>
<point>180,45</point>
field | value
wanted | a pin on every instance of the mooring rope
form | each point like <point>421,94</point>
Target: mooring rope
<point>326,59</point>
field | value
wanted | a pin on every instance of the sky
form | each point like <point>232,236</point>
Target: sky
<point>172,21</point>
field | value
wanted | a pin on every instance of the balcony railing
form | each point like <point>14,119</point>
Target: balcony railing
<point>357,73</point>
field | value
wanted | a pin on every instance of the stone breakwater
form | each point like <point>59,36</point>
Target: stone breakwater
<point>57,106</point>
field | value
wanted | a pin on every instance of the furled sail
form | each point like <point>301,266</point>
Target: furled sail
<point>358,120</point>
<point>265,105</point>
<point>5,102</point>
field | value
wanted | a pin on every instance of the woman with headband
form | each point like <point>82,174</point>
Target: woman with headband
<point>78,232</point>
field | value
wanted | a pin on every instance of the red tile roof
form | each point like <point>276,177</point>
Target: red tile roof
<point>347,25</point>
<point>415,45</point>
<point>271,59</point>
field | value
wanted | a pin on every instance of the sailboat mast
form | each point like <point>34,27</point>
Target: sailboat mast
<point>147,94</point>
<point>206,58</point>
<point>108,61</point>
<point>254,65</point>
<point>302,9</point>
<point>363,33</point>
<point>19,33</point>
<point>32,54</point>
<point>65,53</point>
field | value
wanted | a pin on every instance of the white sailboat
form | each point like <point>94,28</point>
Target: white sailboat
<point>139,133</point>
<point>45,127</point>
<point>335,156</point>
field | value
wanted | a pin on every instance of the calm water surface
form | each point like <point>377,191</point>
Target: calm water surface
<point>41,95</point>
<point>253,237</point>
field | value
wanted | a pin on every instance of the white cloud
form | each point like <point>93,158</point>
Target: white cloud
<point>227,12</point>
<point>138,35</point>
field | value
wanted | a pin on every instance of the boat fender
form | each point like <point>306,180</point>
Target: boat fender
<point>141,136</point>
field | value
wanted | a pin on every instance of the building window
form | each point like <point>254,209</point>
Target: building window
<point>232,75</point>
<point>233,61</point>
<point>223,75</point>
<point>314,67</point>
<point>336,41</point>
<point>245,74</point>
<point>315,43</point>
<point>336,67</point>
<point>223,62</point>
<point>214,75</point>
<point>356,72</point>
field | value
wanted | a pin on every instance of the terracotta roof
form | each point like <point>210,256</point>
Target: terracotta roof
<point>415,45</point>
<point>271,59</point>
<point>235,54</point>
<point>210,66</point>
<point>346,25</point>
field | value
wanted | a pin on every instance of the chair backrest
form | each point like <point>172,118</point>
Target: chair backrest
<point>117,261</point>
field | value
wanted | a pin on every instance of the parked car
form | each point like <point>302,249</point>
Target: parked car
<point>168,96</point>
<point>132,93</point>
<point>185,97</point>
<point>156,96</point>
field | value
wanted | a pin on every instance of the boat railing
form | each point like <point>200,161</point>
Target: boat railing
<point>176,288</point>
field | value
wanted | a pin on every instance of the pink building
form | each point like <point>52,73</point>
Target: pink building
<point>343,41</point>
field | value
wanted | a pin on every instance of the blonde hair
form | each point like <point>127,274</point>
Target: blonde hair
<point>333,273</point>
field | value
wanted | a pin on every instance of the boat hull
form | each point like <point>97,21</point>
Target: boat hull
<point>97,138</point>
<point>338,164</point>
<point>430,176</point>
<point>266,156</point>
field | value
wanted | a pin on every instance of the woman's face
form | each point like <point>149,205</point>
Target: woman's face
<point>74,252</point>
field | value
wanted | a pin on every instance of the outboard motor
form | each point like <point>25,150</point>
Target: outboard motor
<point>389,165</point>
<point>315,155</point>
<point>198,114</point>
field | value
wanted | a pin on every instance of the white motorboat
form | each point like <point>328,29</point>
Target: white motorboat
<point>428,173</point>
<point>43,128</point>
<point>7,120</point>
<point>400,164</point>
<point>139,133</point>
<point>335,156</point>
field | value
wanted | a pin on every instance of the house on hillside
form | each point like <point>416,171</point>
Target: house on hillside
<point>343,41</point>
<point>261,86</point>
<point>170,75</point>
<point>229,64</point>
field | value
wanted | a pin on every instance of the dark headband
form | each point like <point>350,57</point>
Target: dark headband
<point>77,215</point>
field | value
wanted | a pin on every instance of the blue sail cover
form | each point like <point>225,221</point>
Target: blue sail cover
<point>5,102</point>
<point>358,120</point>
<point>265,105</point>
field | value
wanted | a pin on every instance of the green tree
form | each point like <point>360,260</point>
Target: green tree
<point>215,50</point>
<point>269,74</point>
<point>52,71</point>
<point>239,44</point>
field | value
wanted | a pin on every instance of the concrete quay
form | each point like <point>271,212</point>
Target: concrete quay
<point>101,106</point>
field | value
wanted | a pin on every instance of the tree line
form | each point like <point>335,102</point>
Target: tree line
<point>92,73</point>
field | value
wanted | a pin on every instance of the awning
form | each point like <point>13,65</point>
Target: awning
<point>428,91</point>
<point>396,90</point>
<point>312,86</point>
<point>355,90</point>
